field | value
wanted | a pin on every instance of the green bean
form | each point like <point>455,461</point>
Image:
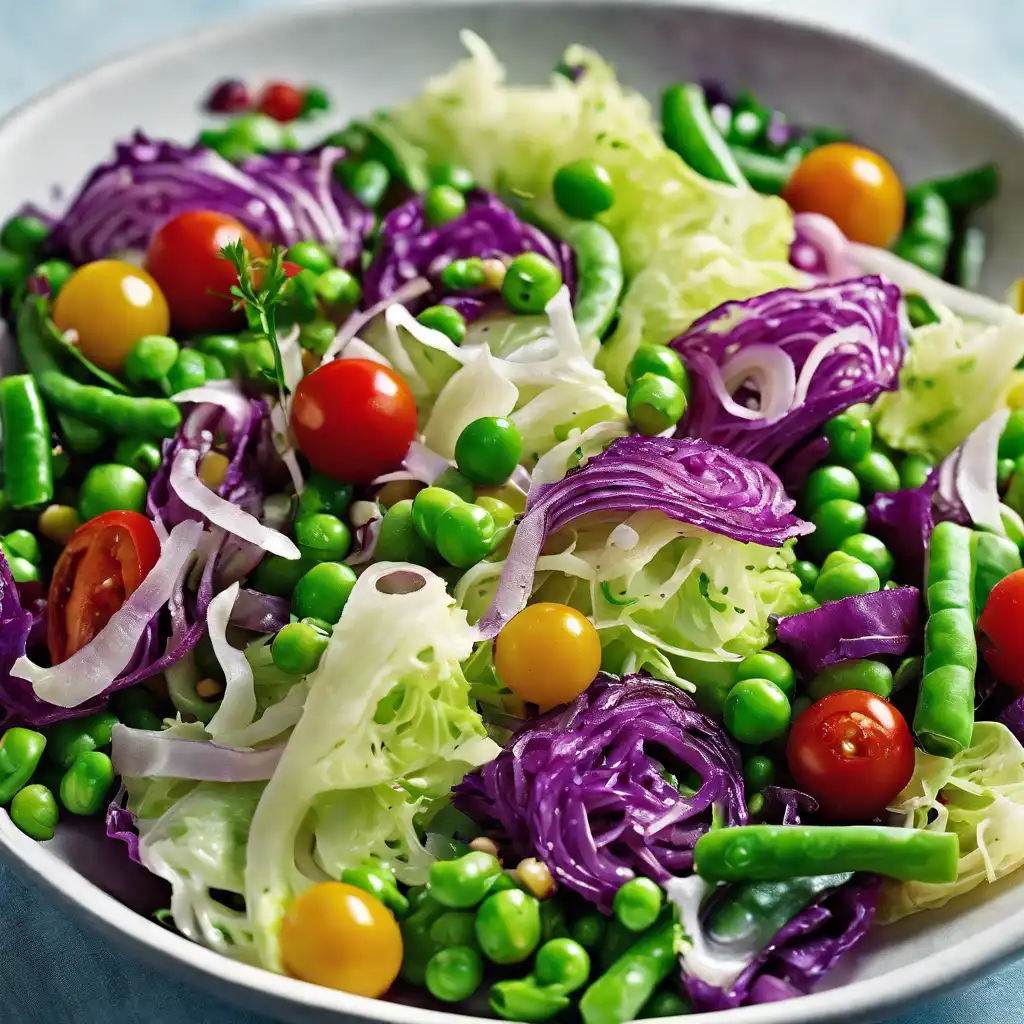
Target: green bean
<point>778,852</point>
<point>598,278</point>
<point>994,558</point>
<point>928,231</point>
<point>20,751</point>
<point>523,999</point>
<point>28,473</point>
<point>617,939</point>
<point>766,174</point>
<point>690,132</point>
<point>944,718</point>
<point>968,258</point>
<point>86,785</point>
<point>619,994</point>
<point>969,189</point>
<point>908,673</point>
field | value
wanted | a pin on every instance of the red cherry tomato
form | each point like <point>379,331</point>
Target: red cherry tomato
<point>184,257</point>
<point>1002,628</point>
<point>353,419</point>
<point>852,751</point>
<point>281,101</point>
<point>102,564</point>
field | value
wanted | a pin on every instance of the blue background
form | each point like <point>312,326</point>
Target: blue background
<point>50,970</point>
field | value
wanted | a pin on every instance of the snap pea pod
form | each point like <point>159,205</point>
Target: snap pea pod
<point>968,258</point>
<point>969,189</point>
<point>772,852</point>
<point>620,993</point>
<point>28,472</point>
<point>377,140</point>
<point>598,275</point>
<point>689,131</point>
<point>928,232</point>
<point>994,558</point>
<point>944,718</point>
<point>919,310</point>
<point>765,173</point>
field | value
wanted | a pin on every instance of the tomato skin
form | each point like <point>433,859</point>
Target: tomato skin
<point>1002,636</point>
<point>854,186</point>
<point>102,564</point>
<point>281,101</point>
<point>354,419</point>
<point>853,752</point>
<point>184,257</point>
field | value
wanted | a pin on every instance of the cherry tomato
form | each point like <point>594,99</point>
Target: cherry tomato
<point>281,101</point>
<point>341,937</point>
<point>852,751</point>
<point>184,257</point>
<point>548,654</point>
<point>102,564</point>
<point>1001,623</point>
<point>353,419</point>
<point>110,304</point>
<point>854,186</point>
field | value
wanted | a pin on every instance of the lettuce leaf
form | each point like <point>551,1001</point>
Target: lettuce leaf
<point>979,795</point>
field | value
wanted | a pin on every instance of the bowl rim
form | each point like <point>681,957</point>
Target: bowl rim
<point>864,999</point>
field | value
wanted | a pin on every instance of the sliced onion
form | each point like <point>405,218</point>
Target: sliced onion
<point>824,235</point>
<point>976,473</point>
<point>141,753</point>
<point>281,435</point>
<point>707,368</point>
<point>291,358</point>
<point>420,463</point>
<point>94,667</point>
<point>773,375</point>
<point>358,349</point>
<point>822,350</point>
<point>238,705</point>
<point>357,321</point>
<point>220,512</point>
<point>223,393</point>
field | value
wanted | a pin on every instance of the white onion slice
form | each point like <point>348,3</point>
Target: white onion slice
<point>773,375</point>
<point>140,753</point>
<point>420,463</point>
<point>824,348</point>
<point>230,518</point>
<point>238,705</point>
<point>357,321</point>
<point>92,668</point>
<point>224,393</point>
<point>976,473</point>
<point>358,349</point>
<point>291,358</point>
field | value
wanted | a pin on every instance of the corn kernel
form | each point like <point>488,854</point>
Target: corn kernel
<point>213,469</point>
<point>535,877</point>
<point>208,689</point>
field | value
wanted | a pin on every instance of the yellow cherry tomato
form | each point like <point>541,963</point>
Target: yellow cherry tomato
<point>340,937</point>
<point>548,654</point>
<point>110,304</point>
<point>854,186</point>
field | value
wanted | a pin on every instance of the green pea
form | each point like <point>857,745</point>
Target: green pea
<point>56,272</point>
<point>758,772</point>
<point>141,455</point>
<point>76,736</point>
<point>829,482</point>
<point>86,785</point>
<point>464,535</point>
<point>454,928</point>
<point>310,256</point>
<point>298,648</point>
<point>454,974</point>
<point>849,437</point>
<point>488,450</point>
<point>638,903</point>
<point>369,183</point>
<point>378,881</point>
<point>188,371</point>
<point>458,483</point>
<point>337,287</point>
<point>24,234</point>
<point>321,494</point>
<point>837,558</point>
<point>1011,441</point>
<point>834,521</point>
<point>659,360</point>
<point>442,203</point>
<point>151,359</point>
<point>531,282</point>
<point>665,1003</point>
<point>589,931</point>
<point>427,508</point>
<point>23,544</point>
<point>502,513</point>
<point>462,275</point>
<point>135,707</point>
<point>453,175</point>
<point>446,319</point>
<point>855,674</point>
<point>806,572</point>
<point>321,537</point>
<point>756,711</point>
<point>398,540</point>
<point>914,472</point>
<point>583,189</point>
<point>323,592</point>
<point>110,487</point>
<point>278,576</point>
<point>22,570</point>
<point>771,666</point>
<point>871,551</point>
<point>465,881</point>
<point>508,926</point>
<point>253,133</point>
<point>563,962</point>
<point>13,269</point>
<point>523,999</point>
<point>654,404</point>
<point>1004,471</point>
<point>846,581</point>
<point>316,336</point>
<point>877,474</point>
<point>225,347</point>
<point>35,812</point>
<point>215,369</point>
<point>755,804</point>
<point>20,751</point>
<point>257,359</point>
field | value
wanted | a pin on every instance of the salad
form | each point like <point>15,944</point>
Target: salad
<point>521,553</point>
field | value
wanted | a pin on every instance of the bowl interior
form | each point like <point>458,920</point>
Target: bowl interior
<point>369,55</point>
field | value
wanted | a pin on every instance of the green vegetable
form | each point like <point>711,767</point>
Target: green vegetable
<point>927,231</point>
<point>1004,472</point>
<point>994,558</point>
<point>369,182</point>
<point>1011,441</point>
<point>968,189</point>
<point>523,999</point>
<point>141,455</point>
<point>13,270</point>
<point>599,278</point>
<point>776,852</point>
<point>76,736</point>
<point>638,903</point>
<point>876,474</point>
<point>321,494</point>
<point>488,450</point>
<point>465,534</point>
<point>464,882</point>
<point>188,371</point>
<point>827,483</point>
<point>151,359</point>
<point>56,272</point>
<point>454,974</point>
<point>85,788</point>
<point>849,438</point>
<point>22,544</point>
<point>20,751</point>
<point>834,521</point>
<point>321,537</point>
<point>919,310</point>
<point>665,1003</point>
<point>454,175</point>
<point>562,963</point>
<point>654,404</point>
<point>379,881</point>
<point>855,674</point>
<point>459,484</point>
<point>110,486</point>
<point>968,257</point>
<point>121,414</point>
<point>442,203</point>
<point>310,256</point>
<point>24,235</point>
<point>418,945</point>
<point>464,274</point>
<point>944,716</point>
<point>398,540</point>
<point>427,508</point>
<point>135,707</point>
<point>756,711</point>
<point>298,648</point>
<point>323,592</point>
<point>771,666</point>
<point>914,472</point>
<point>28,472</point>
<point>759,771</point>
<point>583,189</point>
<point>250,134</point>
<point>689,130</point>
<point>589,931</point>
<point>659,360</point>
<point>765,173</point>
<point>807,573</point>
<point>531,282</point>
<point>846,581</point>
<point>35,812</point>
<point>508,926</point>
<point>446,319</point>
<point>278,576</point>
<point>22,570</point>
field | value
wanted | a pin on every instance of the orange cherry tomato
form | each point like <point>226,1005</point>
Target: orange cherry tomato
<point>102,565</point>
<point>1002,630</point>
<point>343,938</point>
<point>854,186</point>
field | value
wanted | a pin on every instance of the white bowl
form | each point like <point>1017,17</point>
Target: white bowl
<point>370,53</point>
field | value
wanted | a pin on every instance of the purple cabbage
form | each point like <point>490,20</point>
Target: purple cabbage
<point>16,695</point>
<point>120,823</point>
<point>904,520</point>
<point>778,353</point>
<point>1012,716</point>
<point>885,622</point>
<point>281,197</point>
<point>689,480</point>
<point>408,248</point>
<point>583,787</point>
<point>786,806</point>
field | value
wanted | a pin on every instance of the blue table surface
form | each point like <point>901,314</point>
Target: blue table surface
<point>52,971</point>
